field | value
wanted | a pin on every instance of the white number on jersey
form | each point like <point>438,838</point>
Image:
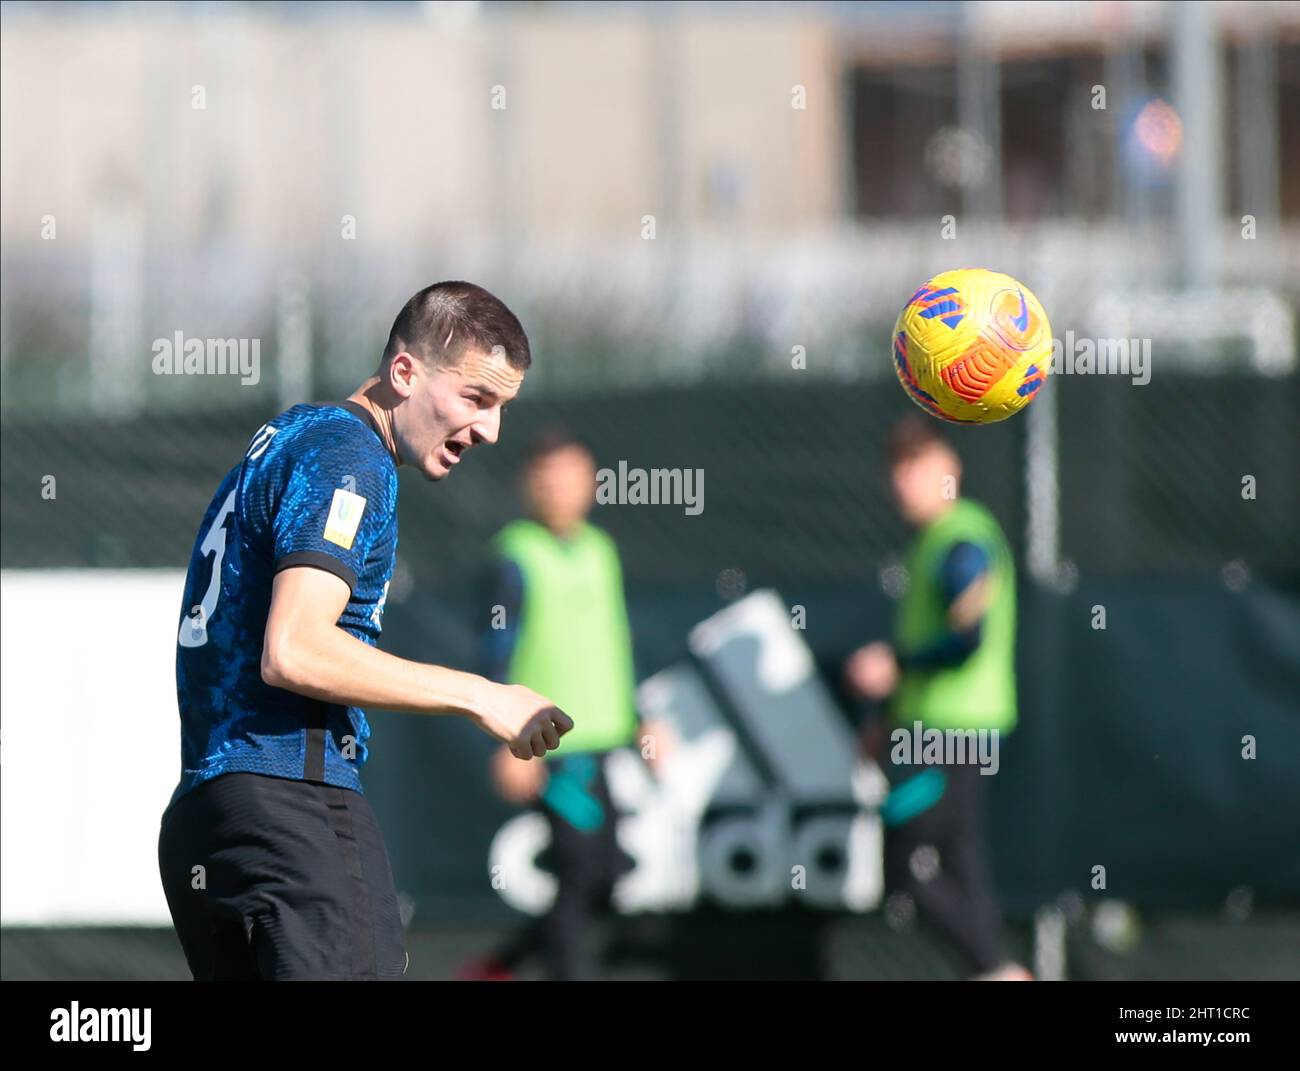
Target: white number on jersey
<point>194,629</point>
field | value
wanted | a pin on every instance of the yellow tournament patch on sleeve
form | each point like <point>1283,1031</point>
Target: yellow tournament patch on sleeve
<point>345,517</point>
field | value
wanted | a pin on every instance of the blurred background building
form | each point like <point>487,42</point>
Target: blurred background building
<point>707,217</point>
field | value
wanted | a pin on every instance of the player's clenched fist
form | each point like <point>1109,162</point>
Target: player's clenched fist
<point>528,722</point>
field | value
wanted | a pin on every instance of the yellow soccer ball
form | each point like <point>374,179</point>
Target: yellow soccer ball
<point>972,346</point>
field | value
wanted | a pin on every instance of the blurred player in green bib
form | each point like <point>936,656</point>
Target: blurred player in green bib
<point>951,667</point>
<point>560,618</point>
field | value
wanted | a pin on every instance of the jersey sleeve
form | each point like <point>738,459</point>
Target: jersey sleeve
<point>338,500</point>
<point>505,589</point>
<point>964,563</point>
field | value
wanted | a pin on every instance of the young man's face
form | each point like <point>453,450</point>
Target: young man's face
<point>451,408</point>
<point>561,487</point>
<point>926,483</point>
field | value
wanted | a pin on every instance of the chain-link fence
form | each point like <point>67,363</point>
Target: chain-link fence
<point>1186,473</point>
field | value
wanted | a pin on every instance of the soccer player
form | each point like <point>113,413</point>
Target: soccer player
<point>271,858</point>
<point>952,666</point>
<point>558,588</point>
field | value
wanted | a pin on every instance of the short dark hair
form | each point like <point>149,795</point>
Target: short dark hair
<point>551,440</point>
<point>444,320</point>
<point>911,435</point>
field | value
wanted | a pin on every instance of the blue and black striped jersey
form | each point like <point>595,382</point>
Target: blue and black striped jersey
<point>318,488</point>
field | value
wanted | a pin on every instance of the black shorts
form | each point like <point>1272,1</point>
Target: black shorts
<point>294,882</point>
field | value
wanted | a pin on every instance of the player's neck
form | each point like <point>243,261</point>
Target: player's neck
<point>565,533</point>
<point>366,396</point>
<point>941,509</point>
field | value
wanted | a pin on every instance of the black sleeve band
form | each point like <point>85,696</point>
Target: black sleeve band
<point>318,560</point>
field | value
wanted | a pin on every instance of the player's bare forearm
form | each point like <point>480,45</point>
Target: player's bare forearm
<point>327,663</point>
<point>307,653</point>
